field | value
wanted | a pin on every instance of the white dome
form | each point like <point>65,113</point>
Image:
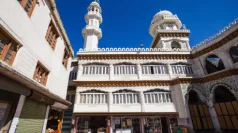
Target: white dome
<point>161,13</point>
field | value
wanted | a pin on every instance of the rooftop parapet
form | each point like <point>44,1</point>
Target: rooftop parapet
<point>132,50</point>
<point>206,42</point>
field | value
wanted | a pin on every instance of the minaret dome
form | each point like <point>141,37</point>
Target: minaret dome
<point>164,20</point>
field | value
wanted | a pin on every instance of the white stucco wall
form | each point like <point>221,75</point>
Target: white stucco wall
<point>31,33</point>
<point>148,107</point>
<point>132,77</point>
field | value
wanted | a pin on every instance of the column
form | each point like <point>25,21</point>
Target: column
<point>138,69</point>
<point>111,71</point>
<point>46,118</point>
<point>142,101</point>
<point>76,124</point>
<point>170,71</point>
<point>110,101</point>
<point>142,125</point>
<point>111,124</point>
<point>213,115</point>
<point>77,98</point>
<point>17,114</point>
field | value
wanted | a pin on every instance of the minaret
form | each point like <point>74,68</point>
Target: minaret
<point>168,32</point>
<point>92,32</point>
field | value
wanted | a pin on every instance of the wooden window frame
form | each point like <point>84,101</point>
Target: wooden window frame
<point>50,29</point>
<point>7,47</point>
<point>45,74</point>
<point>65,58</point>
<point>30,10</point>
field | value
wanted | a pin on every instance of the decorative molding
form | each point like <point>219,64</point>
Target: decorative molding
<point>221,32</point>
<point>207,78</point>
<point>205,90</point>
<point>169,34</point>
<point>132,83</point>
<point>212,47</point>
<point>133,56</point>
<point>133,50</point>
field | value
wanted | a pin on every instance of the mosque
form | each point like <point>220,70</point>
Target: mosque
<point>156,89</point>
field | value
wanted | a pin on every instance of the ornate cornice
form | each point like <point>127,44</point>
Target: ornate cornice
<point>169,34</point>
<point>133,56</point>
<point>205,79</point>
<point>216,45</point>
<point>132,83</point>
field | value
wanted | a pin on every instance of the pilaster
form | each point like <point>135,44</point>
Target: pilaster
<point>111,70</point>
<point>142,101</point>
<point>110,101</point>
<point>138,69</point>
<point>170,72</point>
<point>77,98</point>
<point>80,70</point>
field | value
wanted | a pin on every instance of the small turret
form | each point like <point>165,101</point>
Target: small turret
<point>168,32</point>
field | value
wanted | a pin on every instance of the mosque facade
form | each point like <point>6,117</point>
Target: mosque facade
<point>156,89</point>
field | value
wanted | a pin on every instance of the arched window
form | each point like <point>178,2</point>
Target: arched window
<point>154,68</point>
<point>234,54</point>
<point>181,68</point>
<point>158,96</point>
<point>124,68</point>
<point>193,98</point>
<point>214,64</point>
<point>93,97</point>
<point>95,69</point>
<point>175,44</point>
<point>222,94</point>
<point>125,97</point>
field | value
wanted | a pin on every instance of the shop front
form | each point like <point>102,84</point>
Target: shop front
<point>8,105</point>
<point>54,123</point>
<point>130,123</point>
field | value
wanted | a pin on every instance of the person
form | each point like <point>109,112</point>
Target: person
<point>179,130</point>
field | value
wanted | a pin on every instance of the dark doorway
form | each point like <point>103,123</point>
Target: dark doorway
<point>199,114</point>
<point>164,123</point>
<point>97,122</point>
<point>226,107</point>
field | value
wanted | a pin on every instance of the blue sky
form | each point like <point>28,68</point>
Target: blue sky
<point>126,22</point>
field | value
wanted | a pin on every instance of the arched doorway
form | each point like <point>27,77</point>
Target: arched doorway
<point>226,106</point>
<point>214,64</point>
<point>199,113</point>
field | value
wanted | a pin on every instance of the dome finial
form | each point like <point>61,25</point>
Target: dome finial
<point>98,1</point>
